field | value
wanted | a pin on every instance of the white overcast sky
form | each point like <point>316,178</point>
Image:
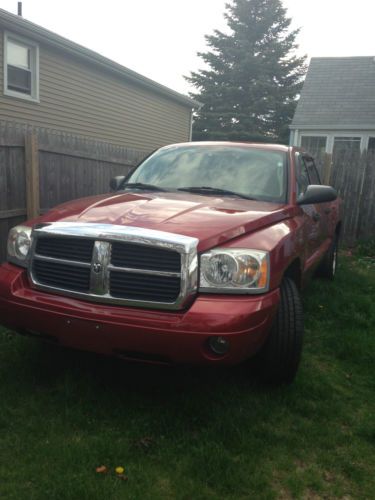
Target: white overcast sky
<point>160,38</point>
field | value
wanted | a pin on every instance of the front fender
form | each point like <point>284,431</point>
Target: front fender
<point>285,243</point>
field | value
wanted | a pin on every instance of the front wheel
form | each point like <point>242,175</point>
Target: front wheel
<point>280,356</point>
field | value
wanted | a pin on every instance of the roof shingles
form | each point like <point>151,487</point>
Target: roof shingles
<point>338,92</point>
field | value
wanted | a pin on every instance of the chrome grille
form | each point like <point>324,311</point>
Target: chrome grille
<point>137,286</point>
<point>65,248</point>
<point>116,264</point>
<point>62,275</point>
<point>144,257</point>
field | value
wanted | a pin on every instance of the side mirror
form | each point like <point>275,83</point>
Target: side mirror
<point>116,182</point>
<point>317,194</point>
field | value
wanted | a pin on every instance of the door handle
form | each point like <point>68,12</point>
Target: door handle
<point>316,216</point>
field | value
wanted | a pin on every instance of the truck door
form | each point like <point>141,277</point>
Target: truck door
<point>322,210</point>
<point>311,213</point>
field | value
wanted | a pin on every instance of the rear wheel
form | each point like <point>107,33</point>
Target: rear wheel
<point>328,267</point>
<point>279,358</point>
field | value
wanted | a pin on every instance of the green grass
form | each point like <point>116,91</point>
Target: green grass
<point>191,433</point>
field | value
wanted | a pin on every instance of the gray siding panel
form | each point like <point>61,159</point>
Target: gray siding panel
<point>78,98</point>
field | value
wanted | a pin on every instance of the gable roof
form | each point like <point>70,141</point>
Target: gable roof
<point>35,32</point>
<point>339,93</point>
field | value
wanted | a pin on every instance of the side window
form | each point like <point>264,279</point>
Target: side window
<point>315,145</point>
<point>301,176</point>
<point>21,68</point>
<point>311,170</point>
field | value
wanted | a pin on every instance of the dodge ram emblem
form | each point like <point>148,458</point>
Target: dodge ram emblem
<point>97,267</point>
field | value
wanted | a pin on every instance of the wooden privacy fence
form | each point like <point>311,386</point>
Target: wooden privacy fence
<point>40,168</point>
<point>353,175</point>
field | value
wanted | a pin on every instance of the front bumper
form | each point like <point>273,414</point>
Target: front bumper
<point>139,334</point>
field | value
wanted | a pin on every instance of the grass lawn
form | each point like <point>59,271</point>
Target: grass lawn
<point>192,433</point>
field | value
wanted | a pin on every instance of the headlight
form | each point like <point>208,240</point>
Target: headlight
<point>19,244</point>
<point>234,270</point>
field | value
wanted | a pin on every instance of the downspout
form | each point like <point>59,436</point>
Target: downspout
<point>291,137</point>
<point>191,125</point>
<point>198,107</point>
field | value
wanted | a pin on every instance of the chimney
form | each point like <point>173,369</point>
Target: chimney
<point>19,9</point>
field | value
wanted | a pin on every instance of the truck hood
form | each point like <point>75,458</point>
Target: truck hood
<point>213,220</point>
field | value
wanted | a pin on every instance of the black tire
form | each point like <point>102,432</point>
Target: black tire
<point>280,356</point>
<point>328,266</point>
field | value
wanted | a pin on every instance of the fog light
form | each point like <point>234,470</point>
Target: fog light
<point>219,345</point>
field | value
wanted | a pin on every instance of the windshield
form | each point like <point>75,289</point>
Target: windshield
<point>251,172</point>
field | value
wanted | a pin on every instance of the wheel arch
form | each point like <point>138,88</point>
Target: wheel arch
<point>294,272</point>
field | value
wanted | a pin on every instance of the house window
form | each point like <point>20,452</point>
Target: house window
<point>315,145</point>
<point>21,68</point>
<point>371,144</point>
<point>346,145</point>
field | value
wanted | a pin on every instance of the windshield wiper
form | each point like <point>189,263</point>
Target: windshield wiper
<point>212,190</point>
<point>140,185</point>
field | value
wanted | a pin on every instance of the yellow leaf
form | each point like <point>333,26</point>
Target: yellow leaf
<point>119,470</point>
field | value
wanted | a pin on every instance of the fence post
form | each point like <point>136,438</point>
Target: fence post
<point>32,175</point>
<point>327,168</point>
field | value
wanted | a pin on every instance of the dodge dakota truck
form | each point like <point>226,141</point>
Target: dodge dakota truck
<point>197,256</point>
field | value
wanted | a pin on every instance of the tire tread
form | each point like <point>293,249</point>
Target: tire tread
<point>282,351</point>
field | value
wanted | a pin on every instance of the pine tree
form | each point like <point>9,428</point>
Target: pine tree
<point>253,77</point>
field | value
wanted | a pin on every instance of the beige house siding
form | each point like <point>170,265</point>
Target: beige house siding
<point>79,98</point>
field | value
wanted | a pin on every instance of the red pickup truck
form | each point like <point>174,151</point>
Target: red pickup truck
<point>197,256</point>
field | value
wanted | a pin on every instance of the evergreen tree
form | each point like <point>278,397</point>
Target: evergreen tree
<point>253,77</point>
